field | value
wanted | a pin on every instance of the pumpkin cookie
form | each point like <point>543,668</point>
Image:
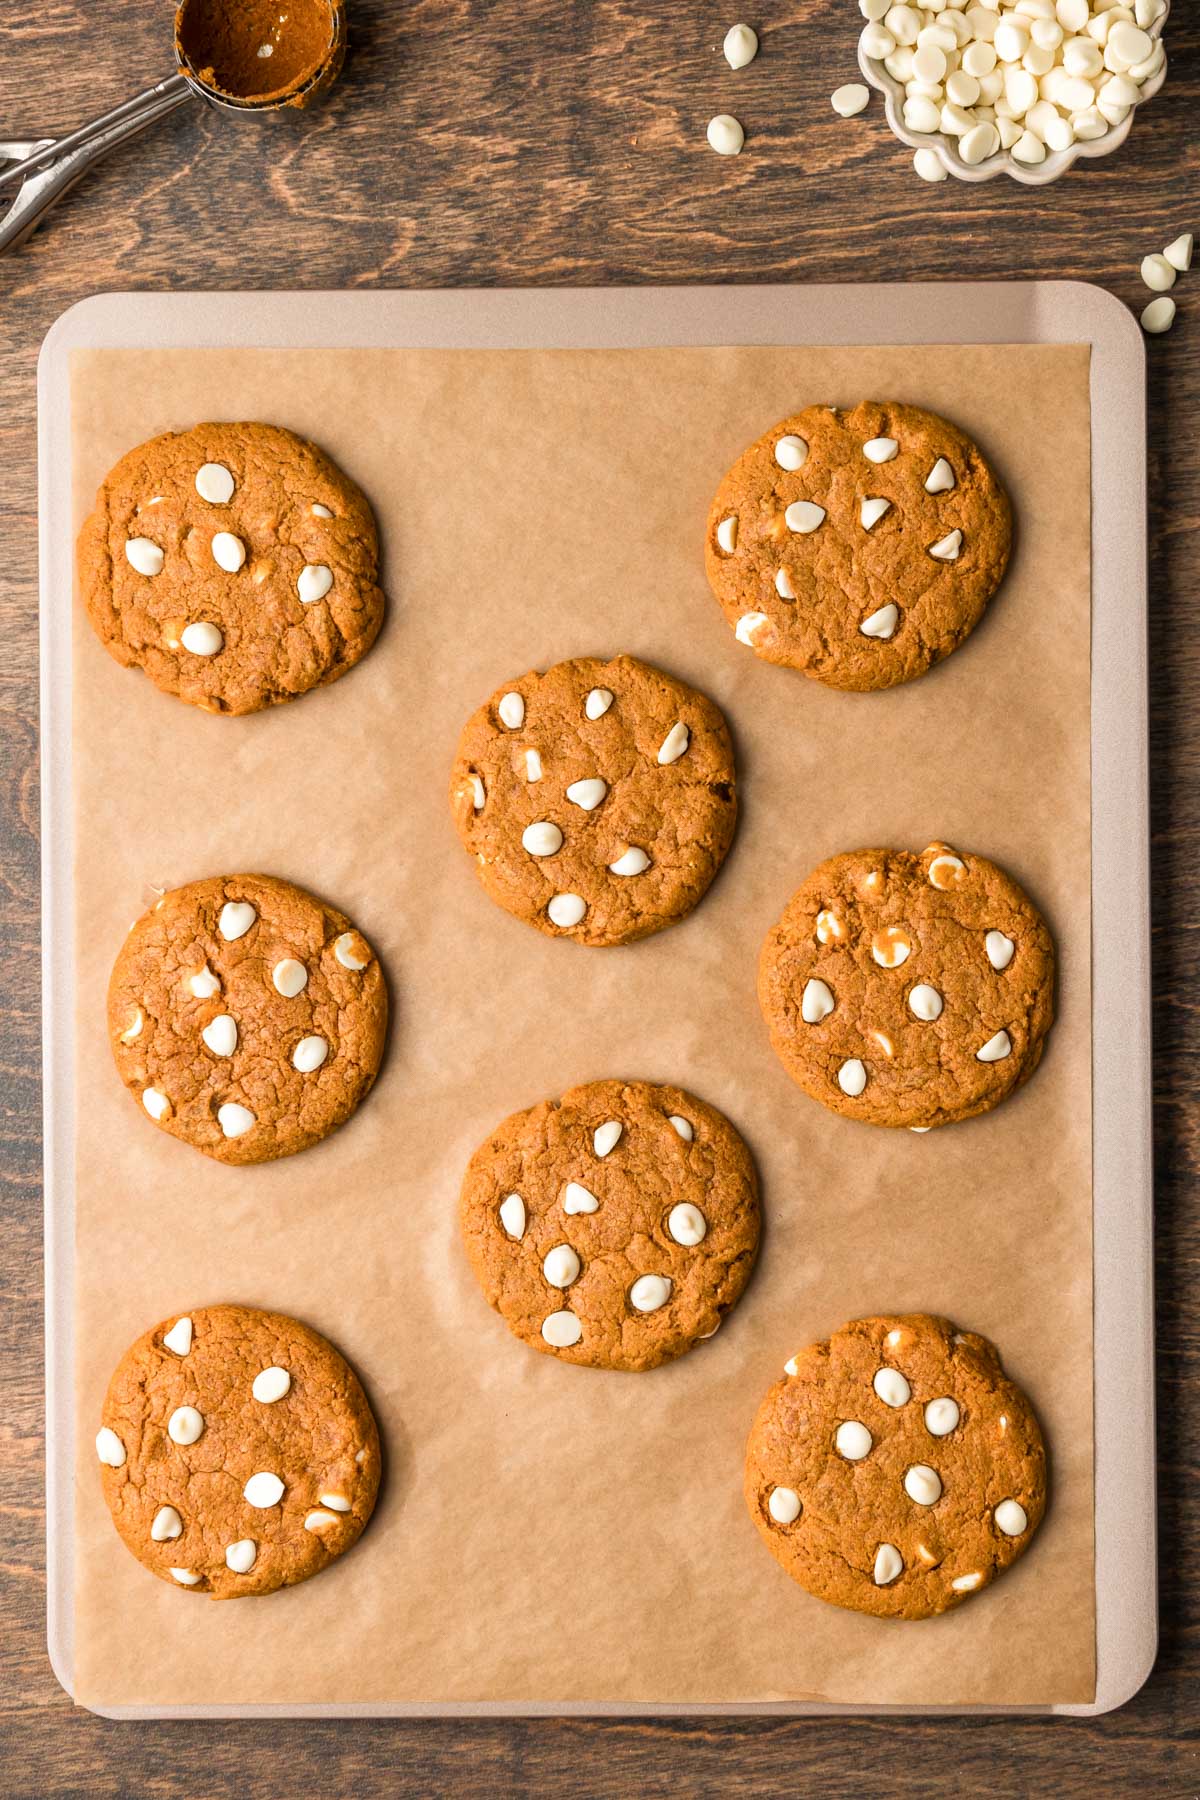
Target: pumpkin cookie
<point>246,1017</point>
<point>597,799</point>
<point>235,564</point>
<point>895,1469</point>
<point>908,990</point>
<point>238,1452</point>
<point>859,547</point>
<point>615,1227</point>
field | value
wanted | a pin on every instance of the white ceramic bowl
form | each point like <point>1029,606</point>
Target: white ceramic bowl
<point>1056,162</point>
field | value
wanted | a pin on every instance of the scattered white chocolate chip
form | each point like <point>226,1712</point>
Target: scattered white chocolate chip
<point>1011,1518</point>
<point>606,1137</point>
<point>229,552</point>
<point>512,711</point>
<point>682,1126</point>
<point>687,1224</point>
<point>740,46</point>
<point>923,1484</point>
<point>649,1292</point>
<point>335,1502</point>
<point>852,97</point>
<point>237,916</point>
<point>166,1525</point>
<point>634,861</point>
<point>352,951</point>
<point>829,927</point>
<point>1159,315</point>
<point>320,512</point>
<point>561,1266</point>
<point>109,1448</point>
<point>816,1002</point>
<point>137,1020</point>
<point>852,1440</point>
<point>565,910</point>
<point>478,792</point>
<point>783,1504</point>
<point>804,516</point>
<point>179,1338</point>
<point>888,1564</point>
<point>202,639</point>
<point>996,1048</point>
<point>940,478</point>
<point>512,1216</point>
<point>929,165</point>
<point>872,510</point>
<point>185,1425</point>
<point>186,1577</point>
<point>783,585</point>
<point>289,977</point>
<point>310,1053</point>
<point>750,627</point>
<point>587,794</point>
<point>946,549</point>
<point>727,532</point>
<point>235,1121</point>
<point>881,624</point>
<point>263,1490</point>
<point>791,1366</point>
<point>144,556</point>
<point>271,1384</point>
<point>999,949</point>
<point>578,1199</point>
<point>221,1035</point>
<point>964,1584</point>
<point>597,703</point>
<point>1158,273</point>
<point>214,483</point>
<point>791,452</point>
<point>204,984</point>
<point>881,449</point>
<point>941,1416</point>
<point>156,1103</point>
<point>852,1077</point>
<point>533,768</point>
<point>924,1002</point>
<point>725,135</point>
<point>674,744</point>
<point>946,870</point>
<point>314,583</point>
<point>543,838</point>
<point>1179,252</point>
<point>319,1520</point>
<point>892,1387</point>
<point>240,1557</point>
<point>562,1329</point>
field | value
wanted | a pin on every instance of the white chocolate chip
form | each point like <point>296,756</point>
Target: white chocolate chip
<point>881,449</point>
<point>791,1366</point>
<point>965,1584</point>
<point>214,483</point>
<point>888,1564</point>
<point>649,1292</point>
<point>185,1425</point>
<point>682,1126</point>
<point>740,46</point>
<point>852,1077</point>
<point>946,549</point>
<point>156,1103</point>
<point>983,140</point>
<point>320,512</point>
<point>512,711</point>
<point>829,928</point>
<point>565,910</point>
<point>561,1266</point>
<point>852,1440</point>
<point>791,452</point>
<point>179,1338</point>
<point>872,510</point>
<point>186,1577</point>
<point>310,1053</point>
<point>229,552</point>
<point>996,1048</point>
<point>335,1502</point>
<point>271,1384</point>
<point>946,870</point>
<point>725,135</point>
<point>783,585</point>
<point>204,984</point>
<point>1159,315</point>
<point>109,1448</point>
<point>923,1484</point>
<point>816,1002</point>
<point>221,1035</point>
<point>687,1224</point>
<point>144,556</point>
<point>852,97</point>
<point>240,1557</point>
<point>352,951</point>
<point>940,478</point>
<point>606,1137</point>
<point>750,627</point>
<point>941,1416</point>
<point>543,838</point>
<point>804,516</point>
<point>202,639</point>
<point>1000,949</point>
<point>314,583</point>
<point>634,861</point>
<point>929,165</point>
<point>597,703</point>
<point>727,532</point>
<point>881,624</point>
<point>674,744</point>
<point>512,1216</point>
<point>876,42</point>
<point>289,977</point>
<point>133,1030</point>
<point>924,1002</point>
<point>1157,273</point>
<point>166,1525</point>
<point>562,1329</point>
<point>235,1121</point>
<point>783,1504</point>
<point>1179,252</point>
<point>533,768</point>
<point>319,1520</point>
<point>1011,1518</point>
<point>587,794</point>
<point>891,1386</point>
<point>578,1199</point>
<point>263,1490</point>
<point>237,916</point>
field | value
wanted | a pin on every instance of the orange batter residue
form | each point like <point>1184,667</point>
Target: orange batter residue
<point>269,51</point>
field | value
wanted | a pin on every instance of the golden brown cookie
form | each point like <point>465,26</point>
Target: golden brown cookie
<point>615,1227</point>
<point>238,1452</point>
<point>906,989</point>
<point>597,799</point>
<point>895,1469</point>
<point>246,1017</point>
<point>860,547</point>
<point>236,564</point>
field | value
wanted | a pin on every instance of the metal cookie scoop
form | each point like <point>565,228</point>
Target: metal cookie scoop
<point>243,56</point>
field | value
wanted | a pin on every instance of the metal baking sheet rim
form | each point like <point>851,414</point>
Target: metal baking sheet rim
<point>984,312</point>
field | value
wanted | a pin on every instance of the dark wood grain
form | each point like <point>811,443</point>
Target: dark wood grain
<point>532,142</point>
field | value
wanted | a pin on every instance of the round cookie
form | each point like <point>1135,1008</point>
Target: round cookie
<point>895,1469</point>
<point>236,564</point>
<point>906,989</point>
<point>246,1017</point>
<point>597,799</point>
<point>238,1452</point>
<point>859,547</point>
<point>615,1227</point>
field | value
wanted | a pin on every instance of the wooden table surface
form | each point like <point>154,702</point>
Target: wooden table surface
<point>561,142</point>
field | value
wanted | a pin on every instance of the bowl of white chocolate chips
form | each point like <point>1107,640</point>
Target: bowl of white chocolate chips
<point>1012,87</point>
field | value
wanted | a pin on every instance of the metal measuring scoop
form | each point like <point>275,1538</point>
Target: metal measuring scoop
<point>226,53</point>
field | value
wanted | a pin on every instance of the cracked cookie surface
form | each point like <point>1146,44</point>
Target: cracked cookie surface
<point>859,547</point>
<point>234,563</point>
<point>598,799</point>
<point>614,1227</point>
<point>895,1469</point>
<point>908,990</point>
<point>238,1452</point>
<point>246,1016</point>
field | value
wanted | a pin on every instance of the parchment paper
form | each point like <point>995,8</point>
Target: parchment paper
<point>550,1533</point>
